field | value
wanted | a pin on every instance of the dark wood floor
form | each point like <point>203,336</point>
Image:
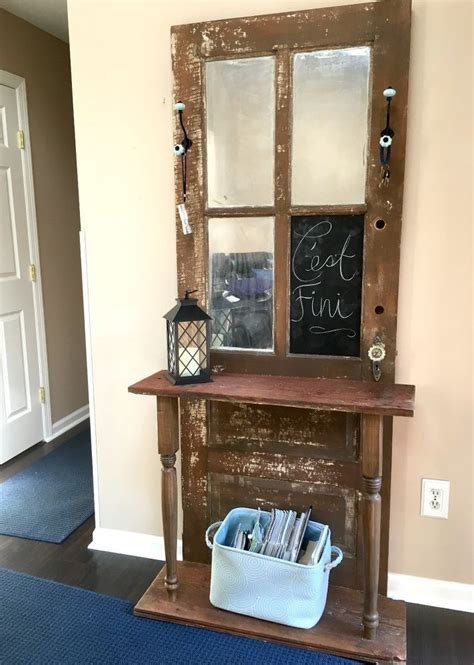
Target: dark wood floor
<point>71,562</point>
<point>435,636</point>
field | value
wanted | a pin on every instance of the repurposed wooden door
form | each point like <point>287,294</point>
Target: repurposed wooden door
<point>294,250</point>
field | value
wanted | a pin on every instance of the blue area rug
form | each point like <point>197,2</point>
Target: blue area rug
<point>47,623</point>
<point>52,497</point>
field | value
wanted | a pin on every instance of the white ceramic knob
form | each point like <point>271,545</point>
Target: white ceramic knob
<point>179,149</point>
<point>385,141</point>
<point>388,93</point>
<point>180,106</point>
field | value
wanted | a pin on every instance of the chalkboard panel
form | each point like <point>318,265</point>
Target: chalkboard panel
<point>326,284</point>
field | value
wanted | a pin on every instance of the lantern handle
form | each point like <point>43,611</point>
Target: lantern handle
<point>188,293</point>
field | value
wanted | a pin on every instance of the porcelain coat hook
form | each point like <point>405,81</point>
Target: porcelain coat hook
<point>180,150</point>
<point>386,138</point>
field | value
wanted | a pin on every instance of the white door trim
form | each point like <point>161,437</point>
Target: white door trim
<point>90,373</point>
<point>73,419</point>
<point>19,85</point>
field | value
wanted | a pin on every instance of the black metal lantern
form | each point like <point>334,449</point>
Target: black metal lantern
<point>188,335</point>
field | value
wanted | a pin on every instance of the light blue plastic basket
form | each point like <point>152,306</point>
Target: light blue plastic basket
<point>264,587</point>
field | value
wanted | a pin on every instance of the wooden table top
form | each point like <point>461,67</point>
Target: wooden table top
<point>384,399</point>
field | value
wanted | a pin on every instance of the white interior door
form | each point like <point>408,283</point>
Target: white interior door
<point>21,424</point>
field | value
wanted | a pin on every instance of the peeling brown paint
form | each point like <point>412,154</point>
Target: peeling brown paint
<point>285,458</point>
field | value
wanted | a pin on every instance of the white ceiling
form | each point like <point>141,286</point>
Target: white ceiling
<point>49,15</point>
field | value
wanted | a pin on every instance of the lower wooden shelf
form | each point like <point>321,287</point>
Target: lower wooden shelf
<point>339,632</point>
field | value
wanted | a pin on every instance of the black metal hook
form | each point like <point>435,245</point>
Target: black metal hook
<point>182,148</point>
<point>386,138</point>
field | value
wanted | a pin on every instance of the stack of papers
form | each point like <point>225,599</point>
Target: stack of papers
<point>282,538</point>
<point>314,549</point>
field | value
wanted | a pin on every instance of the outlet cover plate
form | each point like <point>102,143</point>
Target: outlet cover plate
<point>434,498</point>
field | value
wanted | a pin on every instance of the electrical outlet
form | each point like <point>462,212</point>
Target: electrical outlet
<point>434,498</point>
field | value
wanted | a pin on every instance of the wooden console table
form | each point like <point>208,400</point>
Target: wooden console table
<point>180,593</point>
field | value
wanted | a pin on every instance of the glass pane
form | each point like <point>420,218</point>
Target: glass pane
<point>330,125</point>
<point>240,109</point>
<point>241,282</point>
<point>191,347</point>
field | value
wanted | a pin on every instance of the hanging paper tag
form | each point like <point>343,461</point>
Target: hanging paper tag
<point>183,215</point>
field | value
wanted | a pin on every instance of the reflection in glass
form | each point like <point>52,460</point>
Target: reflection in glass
<point>240,109</point>
<point>330,125</point>
<point>241,282</point>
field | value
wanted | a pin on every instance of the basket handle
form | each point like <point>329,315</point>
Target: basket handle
<point>337,560</point>
<point>209,529</point>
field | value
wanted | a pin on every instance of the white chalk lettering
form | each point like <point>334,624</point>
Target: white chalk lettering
<point>309,268</point>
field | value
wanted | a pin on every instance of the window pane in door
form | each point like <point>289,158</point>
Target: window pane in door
<point>241,282</point>
<point>240,111</point>
<point>330,125</point>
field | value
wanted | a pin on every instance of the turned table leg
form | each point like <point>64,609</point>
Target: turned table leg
<point>371,441</point>
<point>168,445</point>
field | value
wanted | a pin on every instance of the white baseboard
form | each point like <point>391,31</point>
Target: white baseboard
<point>68,422</point>
<point>420,590</point>
<point>437,593</point>
<point>131,543</point>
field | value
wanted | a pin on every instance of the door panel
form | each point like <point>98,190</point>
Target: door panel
<point>337,505</point>
<point>21,424</point>
<point>8,236</point>
<point>249,455</point>
<point>14,363</point>
<point>282,430</point>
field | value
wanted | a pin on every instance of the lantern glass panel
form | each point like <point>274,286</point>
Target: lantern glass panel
<point>171,348</point>
<point>192,347</point>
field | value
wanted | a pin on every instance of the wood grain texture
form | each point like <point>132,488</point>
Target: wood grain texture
<point>195,479</point>
<point>385,26</point>
<point>371,466</point>
<point>371,522</point>
<point>390,66</point>
<point>282,199</point>
<point>168,445</point>
<point>322,394</point>
<point>327,26</point>
<point>372,449</point>
<point>331,493</point>
<point>191,268</point>
<point>338,632</point>
<point>167,412</point>
<point>434,636</point>
<point>258,428</point>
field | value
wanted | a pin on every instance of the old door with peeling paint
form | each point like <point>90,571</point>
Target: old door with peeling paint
<point>294,250</point>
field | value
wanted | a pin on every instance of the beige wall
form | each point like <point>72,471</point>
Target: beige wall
<point>123,111</point>
<point>43,61</point>
<point>435,312</point>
